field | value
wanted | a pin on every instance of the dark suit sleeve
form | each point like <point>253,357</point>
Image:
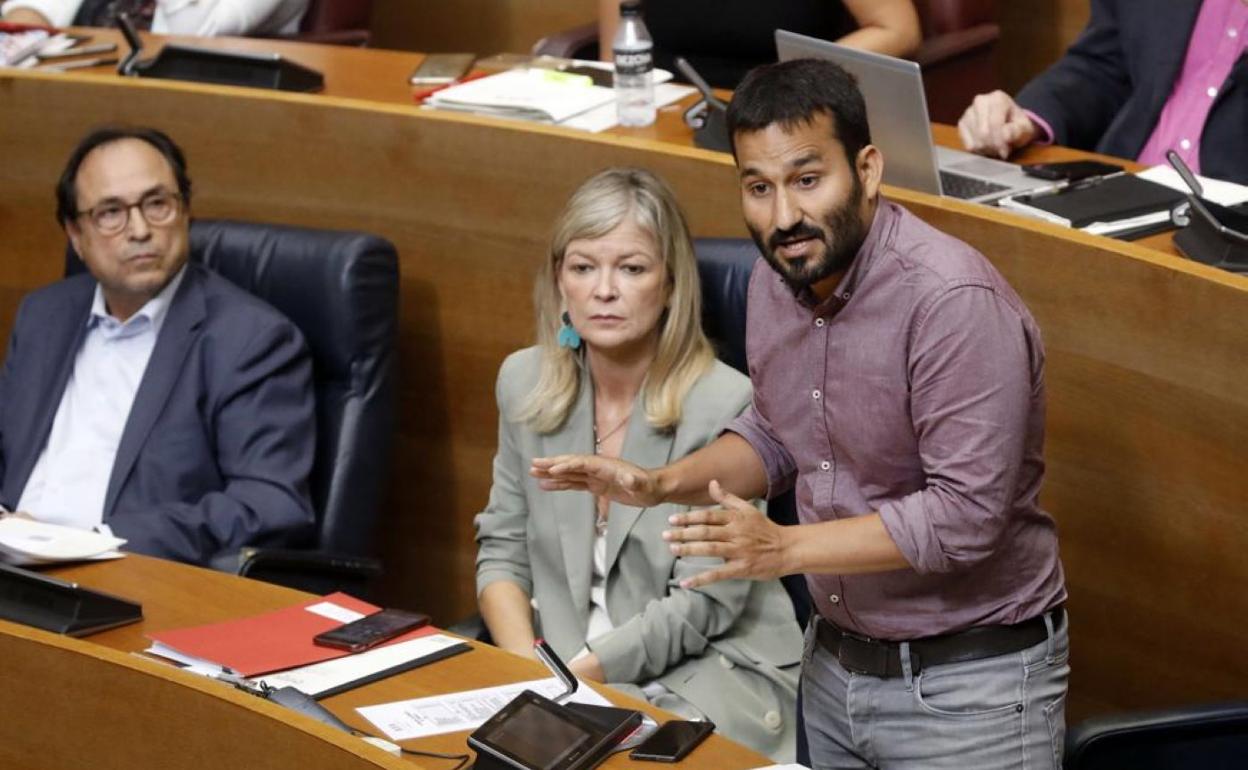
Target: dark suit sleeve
<point>10,362</point>
<point>1080,94</point>
<point>263,424</point>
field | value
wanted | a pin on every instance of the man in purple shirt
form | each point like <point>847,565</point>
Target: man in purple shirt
<point>1144,77</point>
<point>899,386</point>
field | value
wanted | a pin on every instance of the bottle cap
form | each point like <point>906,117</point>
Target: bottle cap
<point>630,7</point>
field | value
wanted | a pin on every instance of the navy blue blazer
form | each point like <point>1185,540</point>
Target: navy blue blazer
<point>1107,92</point>
<point>216,452</point>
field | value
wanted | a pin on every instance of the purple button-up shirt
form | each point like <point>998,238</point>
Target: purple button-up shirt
<point>1218,39</point>
<point>915,391</point>
<point>1217,42</point>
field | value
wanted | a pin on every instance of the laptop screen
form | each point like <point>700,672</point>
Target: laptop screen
<point>896,106</point>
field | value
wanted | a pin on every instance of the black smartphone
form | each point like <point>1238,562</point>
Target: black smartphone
<point>601,77</point>
<point>672,741</point>
<point>371,630</point>
<point>1071,171</point>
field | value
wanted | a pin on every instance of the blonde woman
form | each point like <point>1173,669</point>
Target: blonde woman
<point>623,369</point>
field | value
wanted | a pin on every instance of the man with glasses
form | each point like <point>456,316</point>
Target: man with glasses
<point>150,397</point>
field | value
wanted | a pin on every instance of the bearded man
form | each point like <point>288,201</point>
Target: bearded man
<point>899,386</point>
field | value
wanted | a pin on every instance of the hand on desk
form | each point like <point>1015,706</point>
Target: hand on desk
<point>994,124</point>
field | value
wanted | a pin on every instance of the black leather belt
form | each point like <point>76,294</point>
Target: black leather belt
<point>863,655</point>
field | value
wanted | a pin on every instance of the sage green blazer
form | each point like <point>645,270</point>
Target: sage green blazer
<point>732,648</point>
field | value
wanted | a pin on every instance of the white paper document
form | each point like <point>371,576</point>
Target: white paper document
<point>601,118</point>
<point>1216,190</point>
<point>189,663</point>
<point>334,612</point>
<point>458,711</point>
<point>329,675</point>
<point>26,541</point>
<point>531,94</point>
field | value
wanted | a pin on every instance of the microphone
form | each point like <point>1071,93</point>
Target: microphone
<point>557,667</point>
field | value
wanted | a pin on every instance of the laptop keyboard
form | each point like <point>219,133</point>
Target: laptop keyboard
<point>965,187</point>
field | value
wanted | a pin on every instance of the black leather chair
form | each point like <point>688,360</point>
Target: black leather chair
<point>341,290</point>
<point>724,266</point>
<point>336,22</point>
<point>1207,737</point>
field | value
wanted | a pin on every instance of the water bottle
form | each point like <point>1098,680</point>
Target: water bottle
<point>634,67</point>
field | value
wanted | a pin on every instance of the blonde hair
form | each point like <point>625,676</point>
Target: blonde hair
<point>683,355</point>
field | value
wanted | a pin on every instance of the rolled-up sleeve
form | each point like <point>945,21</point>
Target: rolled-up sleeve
<point>971,387</point>
<point>754,427</point>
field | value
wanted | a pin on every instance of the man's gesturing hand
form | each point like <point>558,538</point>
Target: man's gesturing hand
<point>751,545</point>
<point>618,480</point>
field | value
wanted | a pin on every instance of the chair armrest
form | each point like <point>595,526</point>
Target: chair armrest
<point>941,48</point>
<point>472,627</point>
<point>1207,733</point>
<point>570,43</point>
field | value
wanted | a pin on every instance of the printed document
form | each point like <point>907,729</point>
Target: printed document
<point>458,711</point>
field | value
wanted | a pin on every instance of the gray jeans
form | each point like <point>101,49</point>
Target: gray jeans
<point>998,713</point>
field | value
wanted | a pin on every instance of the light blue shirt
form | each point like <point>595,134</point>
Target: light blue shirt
<point>70,479</point>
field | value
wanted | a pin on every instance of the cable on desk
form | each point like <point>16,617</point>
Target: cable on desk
<point>463,759</point>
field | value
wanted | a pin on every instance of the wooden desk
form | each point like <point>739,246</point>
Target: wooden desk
<point>91,703</point>
<point>1146,364</point>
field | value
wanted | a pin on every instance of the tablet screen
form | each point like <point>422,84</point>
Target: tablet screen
<point>537,737</point>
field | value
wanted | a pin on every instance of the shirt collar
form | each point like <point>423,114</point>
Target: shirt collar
<point>150,316</point>
<point>878,236</point>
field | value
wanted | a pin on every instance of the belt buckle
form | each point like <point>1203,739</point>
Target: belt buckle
<point>863,655</point>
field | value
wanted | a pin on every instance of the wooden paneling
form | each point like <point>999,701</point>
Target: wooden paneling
<point>1034,34</point>
<point>92,703</point>
<point>1148,415</point>
<point>481,26</point>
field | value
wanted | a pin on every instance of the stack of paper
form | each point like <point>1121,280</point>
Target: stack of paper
<point>26,541</point>
<point>529,94</point>
<point>18,44</point>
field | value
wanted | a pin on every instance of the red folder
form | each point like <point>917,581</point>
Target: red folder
<point>270,642</point>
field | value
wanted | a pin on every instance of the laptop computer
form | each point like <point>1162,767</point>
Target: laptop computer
<point>897,111</point>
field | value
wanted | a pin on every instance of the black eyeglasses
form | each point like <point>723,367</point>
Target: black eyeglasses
<point>111,217</point>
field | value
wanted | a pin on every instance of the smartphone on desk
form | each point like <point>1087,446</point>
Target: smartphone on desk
<point>371,630</point>
<point>672,741</point>
<point>1070,171</point>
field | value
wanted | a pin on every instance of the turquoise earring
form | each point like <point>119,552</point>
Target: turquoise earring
<point>568,338</point>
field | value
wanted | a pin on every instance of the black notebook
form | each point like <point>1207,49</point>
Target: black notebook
<point>1102,199</point>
